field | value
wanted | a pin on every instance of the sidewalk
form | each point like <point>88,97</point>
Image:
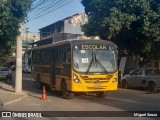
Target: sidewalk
<point>8,95</point>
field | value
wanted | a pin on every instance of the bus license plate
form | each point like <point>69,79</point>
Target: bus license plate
<point>97,85</point>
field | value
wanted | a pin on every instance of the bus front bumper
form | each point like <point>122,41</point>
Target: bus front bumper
<point>94,87</point>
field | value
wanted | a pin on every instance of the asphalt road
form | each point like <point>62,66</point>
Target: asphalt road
<point>121,100</point>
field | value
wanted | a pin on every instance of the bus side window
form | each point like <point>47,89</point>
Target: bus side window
<point>68,56</point>
<point>58,57</point>
<point>43,56</point>
<point>33,57</point>
<point>47,54</point>
<point>64,55</point>
<point>40,56</point>
<point>37,56</point>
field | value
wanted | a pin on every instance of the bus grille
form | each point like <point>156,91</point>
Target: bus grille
<point>95,80</point>
<point>93,88</point>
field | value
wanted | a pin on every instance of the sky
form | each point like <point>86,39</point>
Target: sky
<point>68,10</point>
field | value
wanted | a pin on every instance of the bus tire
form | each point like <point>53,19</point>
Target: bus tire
<point>100,94</point>
<point>78,93</point>
<point>58,93</point>
<point>65,93</point>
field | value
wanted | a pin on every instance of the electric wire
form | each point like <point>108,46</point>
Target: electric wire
<point>43,13</point>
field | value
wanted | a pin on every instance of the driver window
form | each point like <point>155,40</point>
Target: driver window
<point>137,72</point>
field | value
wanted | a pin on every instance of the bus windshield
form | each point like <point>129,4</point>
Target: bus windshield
<point>95,58</point>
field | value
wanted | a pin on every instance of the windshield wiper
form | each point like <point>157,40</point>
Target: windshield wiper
<point>90,63</point>
<point>95,60</point>
<point>77,65</point>
<point>100,64</point>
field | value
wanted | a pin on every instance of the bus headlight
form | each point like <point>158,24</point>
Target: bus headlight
<point>115,79</point>
<point>76,79</point>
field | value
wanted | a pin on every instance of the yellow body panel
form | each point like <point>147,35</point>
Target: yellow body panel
<point>45,78</point>
<point>88,83</point>
<point>92,87</point>
<point>58,82</point>
<point>91,83</point>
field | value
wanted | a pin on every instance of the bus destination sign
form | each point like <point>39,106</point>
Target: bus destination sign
<point>94,47</point>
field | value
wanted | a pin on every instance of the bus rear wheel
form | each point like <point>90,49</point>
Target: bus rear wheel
<point>101,94</point>
<point>65,93</point>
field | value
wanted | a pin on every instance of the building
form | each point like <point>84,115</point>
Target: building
<point>67,28</point>
<point>27,41</point>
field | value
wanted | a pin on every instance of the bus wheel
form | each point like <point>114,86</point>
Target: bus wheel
<point>101,94</point>
<point>65,93</point>
<point>58,93</point>
<point>78,93</point>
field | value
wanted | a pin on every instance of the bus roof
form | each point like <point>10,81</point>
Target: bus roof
<point>74,41</point>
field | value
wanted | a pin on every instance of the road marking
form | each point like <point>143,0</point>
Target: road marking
<point>131,101</point>
<point>35,104</point>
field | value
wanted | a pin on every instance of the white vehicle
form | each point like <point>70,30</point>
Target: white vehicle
<point>143,77</point>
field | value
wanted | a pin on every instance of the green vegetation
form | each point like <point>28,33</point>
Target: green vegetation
<point>12,13</point>
<point>134,25</point>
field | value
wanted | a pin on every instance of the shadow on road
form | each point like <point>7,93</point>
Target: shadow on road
<point>134,100</point>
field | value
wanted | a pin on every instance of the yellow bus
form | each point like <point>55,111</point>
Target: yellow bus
<point>76,66</point>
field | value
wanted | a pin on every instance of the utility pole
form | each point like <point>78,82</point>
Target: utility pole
<point>18,82</point>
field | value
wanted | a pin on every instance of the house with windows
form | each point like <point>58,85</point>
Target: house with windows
<point>67,28</point>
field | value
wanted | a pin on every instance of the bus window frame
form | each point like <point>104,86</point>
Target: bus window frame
<point>110,45</point>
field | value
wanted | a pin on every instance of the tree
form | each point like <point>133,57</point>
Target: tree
<point>134,25</point>
<point>12,12</point>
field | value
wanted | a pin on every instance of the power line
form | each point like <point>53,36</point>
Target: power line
<point>43,6</point>
<point>39,3</point>
<point>51,10</point>
<point>49,7</point>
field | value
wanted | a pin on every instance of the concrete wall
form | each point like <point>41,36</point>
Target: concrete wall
<point>73,24</point>
<point>74,29</point>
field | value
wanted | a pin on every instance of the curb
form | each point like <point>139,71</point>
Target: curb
<point>13,101</point>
